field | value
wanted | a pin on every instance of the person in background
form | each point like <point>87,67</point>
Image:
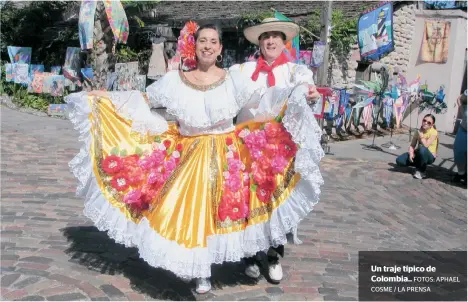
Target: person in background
<point>459,147</point>
<point>423,148</point>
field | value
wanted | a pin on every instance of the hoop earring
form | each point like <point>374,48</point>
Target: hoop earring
<point>220,57</point>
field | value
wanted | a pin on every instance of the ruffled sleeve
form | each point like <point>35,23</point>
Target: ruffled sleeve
<point>128,104</point>
<point>302,74</point>
<point>161,91</point>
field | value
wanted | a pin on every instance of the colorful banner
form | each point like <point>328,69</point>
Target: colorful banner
<point>292,47</point>
<point>58,83</point>
<point>9,72</point>
<point>117,20</point>
<point>305,57</point>
<point>37,84</point>
<point>87,73</point>
<point>435,44</point>
<point>140,83</point>
<point>126,75</point>
<point>429,4</point>
<point>21,73</point>
<point>72,58</point>
<point>86,23</point>
<point>375,33</point>
<point>55,69</point>
<point>35,68</point>
<point>318,53</point>
<point>19,54</point>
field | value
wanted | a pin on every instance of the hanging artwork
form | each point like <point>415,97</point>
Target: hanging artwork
<point>20,54</point>
<point>87,73</point>
<point>55,69</point>
<point>173,63</point>
<point>435,42</point>
<point>375,33</point>
<point>57,85</point>
<point>367,115</point>
<point>72,58</point>
<point>37,84</point>
<point>140,83</point>
<point>21,73</point>
<point>126,75</point>
<point>36,68</point>
<point>86,23</point>
<point>318,53</point>
<point>431,4</point>
<point>117,20</point>
<point>305,57</point>
<point>9,72</point>
<point>319,107</point>
<point>71,75</point>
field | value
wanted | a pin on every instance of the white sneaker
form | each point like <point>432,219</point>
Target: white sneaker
<point>276,272</point>
<point>253,271</point>
<point>203,285</point>
<point>419,175</point>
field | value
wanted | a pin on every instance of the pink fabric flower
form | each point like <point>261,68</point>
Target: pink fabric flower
<point>170,165</point>
<point>155,178</point>
<point>259,175</point>
<point>234,165</point>
<point>146,162</point>
<point>256,154</point>
<point>256,140</point>
<point>273,130</point>
<point>233,182</point>
<point>278,163</point>
<point>158,157</point>
<point>133,197</point>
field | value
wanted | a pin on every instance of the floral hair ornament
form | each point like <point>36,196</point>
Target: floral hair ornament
<point>186,45</point>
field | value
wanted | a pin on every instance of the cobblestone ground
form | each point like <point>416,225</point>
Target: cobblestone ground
<point>50,251</point>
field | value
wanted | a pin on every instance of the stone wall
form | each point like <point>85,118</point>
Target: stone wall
<point>342,72</point>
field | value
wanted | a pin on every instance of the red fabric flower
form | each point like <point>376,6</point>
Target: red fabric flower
<point>236,155</point>
<point>112,164</point>
<point>273,130</point>
<point>148,193</point>
<point>228,141</point>
<point>167,143</point>
<point>134,176</point>
<point>264,195</point>
<point>130,162</point>
<point>179,147</point>
<point>288,149</point>
<point>259,175</point>
<point>120,183</point>
<point>233,210</point>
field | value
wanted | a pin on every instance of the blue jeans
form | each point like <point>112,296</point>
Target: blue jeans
<point>422,158</point>
<point>459,150</point>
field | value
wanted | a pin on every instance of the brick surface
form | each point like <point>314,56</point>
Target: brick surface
<point>50,251</point>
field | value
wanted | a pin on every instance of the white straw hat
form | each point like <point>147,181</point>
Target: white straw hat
<point>289,28</point>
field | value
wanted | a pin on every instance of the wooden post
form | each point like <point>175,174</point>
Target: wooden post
<point>326,16</point>
<point>322,73</point>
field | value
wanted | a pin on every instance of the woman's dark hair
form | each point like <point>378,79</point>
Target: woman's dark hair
<point>433,119</point>
<point>210,26</point>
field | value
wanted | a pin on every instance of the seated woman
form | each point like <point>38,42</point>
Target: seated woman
<point>425,154</point>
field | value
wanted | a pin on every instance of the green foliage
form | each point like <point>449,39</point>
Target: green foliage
<point>343,34</point>
<point>251,19</point>
<point>32,25</point>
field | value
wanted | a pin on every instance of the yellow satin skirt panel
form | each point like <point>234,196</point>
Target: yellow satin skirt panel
<point>188,188</point>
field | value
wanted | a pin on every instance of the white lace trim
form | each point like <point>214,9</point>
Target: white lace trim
<point>218,104</point>
<point>160,252</point>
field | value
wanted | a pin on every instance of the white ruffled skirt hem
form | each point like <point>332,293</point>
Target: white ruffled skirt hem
<point>196,262</point>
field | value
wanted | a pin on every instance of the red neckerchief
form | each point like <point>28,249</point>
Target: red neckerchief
<point>263,66</point>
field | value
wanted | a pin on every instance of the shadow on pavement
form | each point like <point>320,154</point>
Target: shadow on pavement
<point>97,252</point>
<point>435,172</point>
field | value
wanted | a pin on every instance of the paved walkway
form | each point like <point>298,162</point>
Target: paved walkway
<point>50,251</point>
